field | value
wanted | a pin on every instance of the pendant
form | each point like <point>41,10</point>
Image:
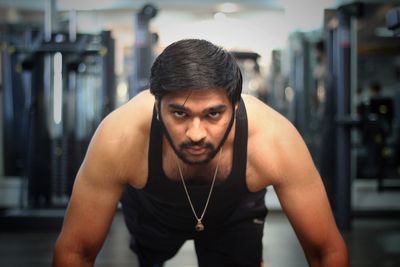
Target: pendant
<point>199,226</point>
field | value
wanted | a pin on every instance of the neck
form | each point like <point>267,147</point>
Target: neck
<point>198,170</point>
<point>198,173</point>
<point>201,179</point>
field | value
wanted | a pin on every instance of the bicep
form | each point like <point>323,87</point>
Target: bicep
<point>309,212</point>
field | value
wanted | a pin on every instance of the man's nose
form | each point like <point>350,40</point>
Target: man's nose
<point>196,131</point>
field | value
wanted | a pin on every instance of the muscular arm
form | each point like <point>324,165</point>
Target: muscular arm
<point>304,200</point>
<point>288,166</point>
<point>95,195</point>
<point>98,188</point>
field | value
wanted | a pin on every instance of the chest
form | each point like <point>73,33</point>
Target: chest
<point>255,179</point>
<point>175,170</point>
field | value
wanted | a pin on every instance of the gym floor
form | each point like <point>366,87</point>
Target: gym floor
<point>371,243</point>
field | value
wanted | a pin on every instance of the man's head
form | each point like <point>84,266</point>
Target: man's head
<point>197,86</point>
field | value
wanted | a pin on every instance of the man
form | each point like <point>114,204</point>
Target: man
<point>191,160</point>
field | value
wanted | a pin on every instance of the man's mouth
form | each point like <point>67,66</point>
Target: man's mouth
<point>196,150</point>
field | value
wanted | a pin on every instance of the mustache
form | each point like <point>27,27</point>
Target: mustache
<point>201,143</point>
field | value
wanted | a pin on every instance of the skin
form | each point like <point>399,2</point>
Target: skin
<point>277,156</point>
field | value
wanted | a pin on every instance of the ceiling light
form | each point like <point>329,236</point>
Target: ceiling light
<point>229,7</point>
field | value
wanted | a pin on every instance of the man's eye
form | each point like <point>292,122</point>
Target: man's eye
<point>179,114</point>
<point>214,115</point>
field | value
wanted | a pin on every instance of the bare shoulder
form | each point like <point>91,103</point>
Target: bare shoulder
<point>135,115</point>
<point>120,137</point>
<point>264,120</point>
<point>272,140</point>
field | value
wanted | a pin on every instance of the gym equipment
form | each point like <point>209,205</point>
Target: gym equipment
<point>352,45</point>
<point>253,82</point>
<point>57,87</point>
<point>143,50</point>
<point>393,20</point>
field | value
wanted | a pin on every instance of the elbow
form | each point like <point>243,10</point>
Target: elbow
<point>71,256</point>
<point>332,255</point>
<point>337,258</point>
<point>329,260</point>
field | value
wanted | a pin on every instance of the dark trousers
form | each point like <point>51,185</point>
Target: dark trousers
<point>237,246</point>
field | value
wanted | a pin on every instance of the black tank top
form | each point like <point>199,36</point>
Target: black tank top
<point>163,202</point>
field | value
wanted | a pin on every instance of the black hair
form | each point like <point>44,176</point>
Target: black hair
<point>193,64</point>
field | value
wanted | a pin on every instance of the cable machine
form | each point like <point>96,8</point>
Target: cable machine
<point>57,87</point>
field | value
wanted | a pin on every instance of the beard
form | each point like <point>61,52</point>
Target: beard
<point>187,144</point>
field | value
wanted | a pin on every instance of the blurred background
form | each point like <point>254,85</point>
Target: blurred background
<point>332,67</point>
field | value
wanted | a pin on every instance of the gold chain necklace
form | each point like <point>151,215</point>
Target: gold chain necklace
<point>199,225</point>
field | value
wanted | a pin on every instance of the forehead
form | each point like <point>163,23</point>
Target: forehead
<point>199,96</point>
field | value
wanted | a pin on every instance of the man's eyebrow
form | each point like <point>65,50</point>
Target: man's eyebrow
<point>177,106</point>
<point>217,108</point>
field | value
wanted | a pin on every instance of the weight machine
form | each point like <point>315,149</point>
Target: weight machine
<point>57,87</point>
